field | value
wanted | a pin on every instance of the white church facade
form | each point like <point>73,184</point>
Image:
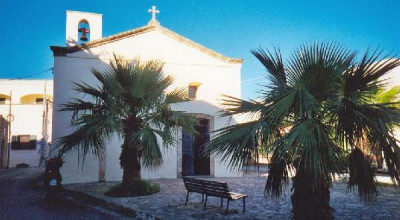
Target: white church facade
<point>207,74</point>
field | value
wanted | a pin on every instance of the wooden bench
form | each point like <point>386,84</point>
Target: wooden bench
<point>212,188</point>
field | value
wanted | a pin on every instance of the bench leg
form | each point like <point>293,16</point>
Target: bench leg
<point>205,203</point>
<point>222,201</point>
<point>244,204</point>
<point>187,197</point>
<point>202,197</point>
<point>227,208</point>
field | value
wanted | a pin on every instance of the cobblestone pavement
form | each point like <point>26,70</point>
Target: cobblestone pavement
<point>22,198</point>
<point>169,203</point>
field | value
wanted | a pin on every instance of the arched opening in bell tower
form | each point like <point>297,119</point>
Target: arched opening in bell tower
<point>83,31</point>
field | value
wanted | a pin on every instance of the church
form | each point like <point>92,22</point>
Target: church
<point>206,74</point>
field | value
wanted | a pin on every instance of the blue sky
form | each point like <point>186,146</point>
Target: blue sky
<point>233,28</point>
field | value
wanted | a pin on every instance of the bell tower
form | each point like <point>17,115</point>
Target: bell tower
<point>83,27</point>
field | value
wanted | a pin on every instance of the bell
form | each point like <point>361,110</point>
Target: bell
<point>84,31</point>
<point>83,37</point>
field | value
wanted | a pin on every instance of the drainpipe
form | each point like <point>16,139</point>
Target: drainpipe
<point>43,140</point>
<point>9,138</point>
<point>45,116</point>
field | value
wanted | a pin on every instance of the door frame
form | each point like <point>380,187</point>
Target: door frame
<point>211,125</point>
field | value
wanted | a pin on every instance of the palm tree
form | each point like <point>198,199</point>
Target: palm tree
<point>129,100</point>
<point>311,118</point>
<point>388,95</point>
<point>385,96</point>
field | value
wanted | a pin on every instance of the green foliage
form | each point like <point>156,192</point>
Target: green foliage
<point>390,95</point>
<point>318,107</point>
<point>138,188</point>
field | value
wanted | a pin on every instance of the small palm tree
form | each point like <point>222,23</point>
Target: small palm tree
<point>311,118</point>
<point>130,100</point>
<point>390,95</point>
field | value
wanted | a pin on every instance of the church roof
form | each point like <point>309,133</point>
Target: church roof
<point>62,51</point>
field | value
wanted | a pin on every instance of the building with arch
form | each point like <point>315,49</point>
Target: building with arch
<point>26,108</point>
<point>206,73</point>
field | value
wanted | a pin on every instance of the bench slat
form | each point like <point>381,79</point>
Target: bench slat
<point>235,196</point>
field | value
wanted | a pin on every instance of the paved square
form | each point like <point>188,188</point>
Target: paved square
<point>169,203</point>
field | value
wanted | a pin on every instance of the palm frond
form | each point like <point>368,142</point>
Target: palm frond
<point>355,109</point>
<point>311,148</point>
<point>385,142</point>
<point>237,144</point>
<point>354,119</point>
<point>150,148</point>
<point>361,175</point>
<point>177,95</point>
<point>365,79</point>
<point>272,61</point>
<point>87,89</point>
<point>391,152</point>
<point>235,106</point>
<point>318,69</point>
<point>78,105</point>
<point>89,136</point>
<point>390,95</point>
<point>278,177</point>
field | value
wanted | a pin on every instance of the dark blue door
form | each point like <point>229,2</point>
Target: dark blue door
<point>201,159</point>
<point>187,154</point>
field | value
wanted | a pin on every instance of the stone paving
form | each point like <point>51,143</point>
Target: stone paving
<point>22,198</point>
<point>169,203</point>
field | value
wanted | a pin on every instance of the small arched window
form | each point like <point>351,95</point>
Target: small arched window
<point>33,99</point>
<point>83,32</point>
<point>4,99</point>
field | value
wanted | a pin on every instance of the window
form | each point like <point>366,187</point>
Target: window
<point>192,92</point>
<point>23,142</point>
<point>39,100</point>
<point>4,98</point>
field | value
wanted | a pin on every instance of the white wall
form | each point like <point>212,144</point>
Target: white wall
<point>393,77</point>
<point>27,118</point>
<point>184,62</point>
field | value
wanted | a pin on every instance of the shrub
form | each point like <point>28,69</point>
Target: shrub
<point>138,188</point>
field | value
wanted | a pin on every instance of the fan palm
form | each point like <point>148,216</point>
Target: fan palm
<point>390,95</point>
<point>311,118</point>
<point>130,100</point>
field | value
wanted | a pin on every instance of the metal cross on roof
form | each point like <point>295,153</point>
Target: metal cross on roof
<point>153,11</point>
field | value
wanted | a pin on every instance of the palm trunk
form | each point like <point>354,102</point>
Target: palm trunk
<point>309,203</point>
<point>130,159</point>
<point>130,163</point>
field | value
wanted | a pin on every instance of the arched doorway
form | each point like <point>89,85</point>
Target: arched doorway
<point>194,161</point>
